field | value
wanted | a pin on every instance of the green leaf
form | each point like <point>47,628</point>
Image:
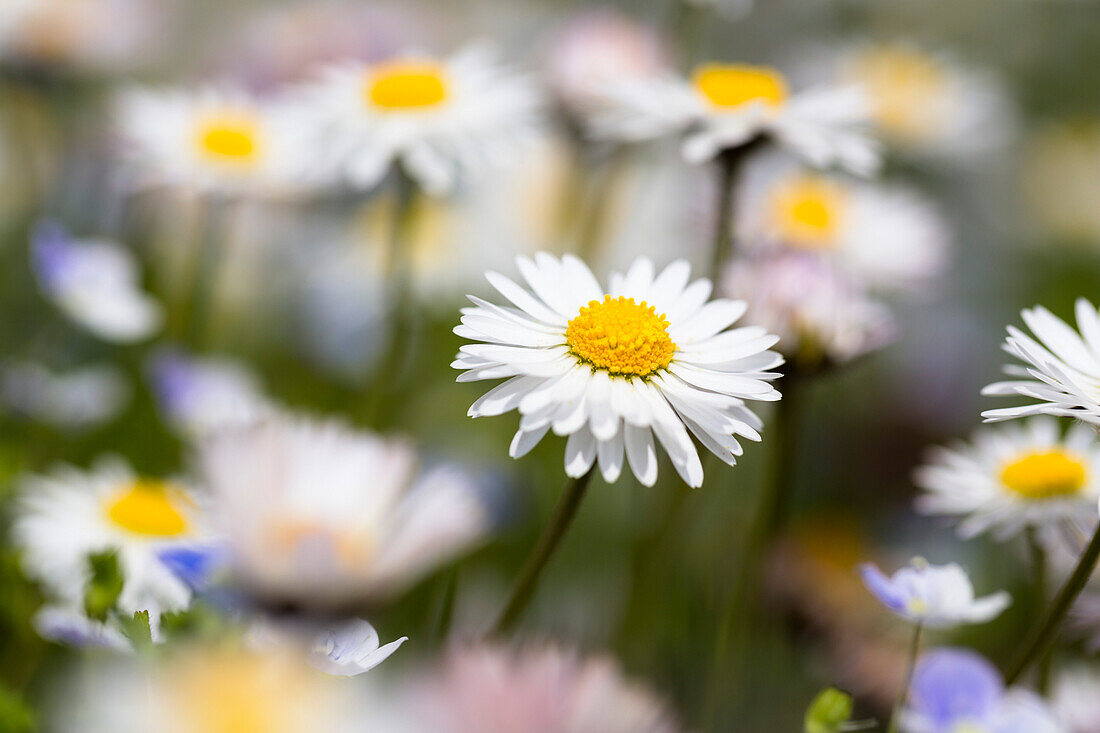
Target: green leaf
<point>829,711</point>
<point>137,630</point>
<point>105,585</point>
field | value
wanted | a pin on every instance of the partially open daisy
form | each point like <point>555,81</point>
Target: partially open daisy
<point>1014,476</point>
<point>611,368</point>
<point>885,236</point>
<point>724,106</point>
<point>210,139</point>
<point>319,515</point>
<point>442,120</point>
<point>1062,368</point>
<point>69,514</point>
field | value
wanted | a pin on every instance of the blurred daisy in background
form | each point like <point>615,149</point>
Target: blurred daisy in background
<point>885,236</point>
<point>723,106</point>
<point>94,282</point>
<point>78,399</point>
<point>536,688</point>
<point>821,316</point>
<point>319,515</point>
<point>1062,367</point>
<point>442,120</point>
<point>1075,697</point>
<point>211,139</point>
<point>69,514</point>
<point>956,690</point>
<point>197,395</point>
<point>596,47</point>
<point>611,368</point>
<point>1013,477</point>
<point>927,103</point>
<point>936,596</point>
<point>1061,179</point>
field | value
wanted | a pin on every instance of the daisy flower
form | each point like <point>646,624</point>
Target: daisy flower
<point>1062,367</point>
<point>885,236</point>
<point>820,315</point>
<point>537,688</point>
<point>613,367</point>
<point>212,139</point>
<point>724,106</point>
<point>1014,476</point>
<point>442,120</point>
<point>956,690</point>
<point>69,514</point>
<point>95,283</point>
<point>321,515</point>
<point>937,596</point>
<point>928,103</point>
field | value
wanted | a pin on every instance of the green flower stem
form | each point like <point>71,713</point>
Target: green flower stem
<point>730,162</point>
<point>528,578</point>
<point>1072,588</point>
<point>216,216</point>
<point>903,693</point>
<point>1039,588</point>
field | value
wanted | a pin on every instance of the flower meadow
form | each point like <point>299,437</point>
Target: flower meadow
<point>506,367</point>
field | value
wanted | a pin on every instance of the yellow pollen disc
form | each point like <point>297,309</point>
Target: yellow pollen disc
<point>807,211</point>
<point>352,551</point>
<point>621,336</point>
<point>406,85</point>
<point>150,508</point>
<point>904,85</point>
<point>1045,475</point>
<point>730,86</point>
<point>229,139</point>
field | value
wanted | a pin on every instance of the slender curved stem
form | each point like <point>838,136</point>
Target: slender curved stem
<point>1039,588</point>
<point>528,578</point>
<point>1072,588</point>
<point>730,162</point>
<point>903,693</point>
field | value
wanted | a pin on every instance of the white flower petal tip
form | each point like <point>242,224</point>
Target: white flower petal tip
<point>937,596</point>
<point>351,649</point>
<point>618,370</point>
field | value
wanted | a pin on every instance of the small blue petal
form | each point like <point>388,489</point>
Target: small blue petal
<point>955,685</point>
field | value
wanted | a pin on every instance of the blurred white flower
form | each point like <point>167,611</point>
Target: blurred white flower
<point>70,626</point>
<point>936,596</point>
<point>818,312</point>
<point>599,46</point>
<point>1061,178</point>
<point>213,139</point>
<point>1062,368</point>
<point>928,103</point>
<point>77,399</point>
<point>95,283</point>
<point>351,648</point>
<point>959,691</point>
<point>609,368</point>
<point>724,106</point>
<point>1075,697</point>
<point>443,121</point>
<point>888,237</point>
<point>68,514</point>
<point>1015,476</point>
<point>207,690</point>
<point>197,395</point>
<point>317,514</point>
<point>536,689</point>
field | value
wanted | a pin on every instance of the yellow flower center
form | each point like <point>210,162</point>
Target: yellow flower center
<point>402,85</point>
<point>231,139</point>
<point>621,336</point>
<point>731,85</point>
<point>351,550</point>
<point>904,85</point>
<point>149,507</point>
<point>807,211</point>
<point>1044,475</point>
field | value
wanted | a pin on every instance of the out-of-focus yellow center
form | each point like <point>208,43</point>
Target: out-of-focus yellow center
<point>807,211</point>
<point>295,534</point>
<point>621,336</point>
<point>1045,475</point>
<point>731,85</point>
<point>402,85</point>
<point>229,139</point>
<point>151,508</point>
<point>904,85</point>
